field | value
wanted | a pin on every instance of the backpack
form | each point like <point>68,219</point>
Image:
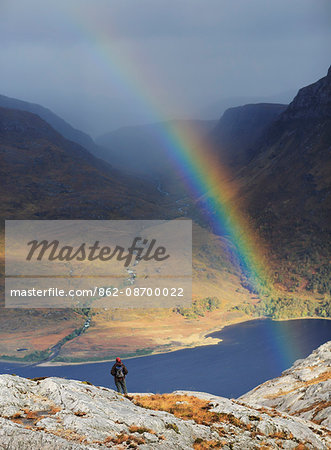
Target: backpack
<point>119,372</point>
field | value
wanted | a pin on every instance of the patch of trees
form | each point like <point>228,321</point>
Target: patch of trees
<point>37,355</point>
<point>320,280</point>
<point>199,308</point>
<point>286,308</point>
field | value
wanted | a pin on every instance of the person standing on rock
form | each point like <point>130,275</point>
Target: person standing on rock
<point>119,372</point>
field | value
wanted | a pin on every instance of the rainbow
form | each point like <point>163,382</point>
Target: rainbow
<point>207,178</point>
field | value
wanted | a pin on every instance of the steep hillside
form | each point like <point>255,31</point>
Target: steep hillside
<point>286,189</point>
<point>67,414</point>
<point>239,129</point>
<point>55,121</point>
<point>43,175</point>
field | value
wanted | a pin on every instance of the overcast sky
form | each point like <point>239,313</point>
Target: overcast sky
<point>94,62</point>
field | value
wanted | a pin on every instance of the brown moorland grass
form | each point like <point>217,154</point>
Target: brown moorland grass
<point>140,430</point>
<point>301,446</point>
<point>201,444</point>
<point>31,414</point>
<point>54,409</point>
<point>122,438</point>
<point>182,406</point>
<point>188,408</point>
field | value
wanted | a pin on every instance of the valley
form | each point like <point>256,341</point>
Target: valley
<point>276,171</point>
<point>165,225</point>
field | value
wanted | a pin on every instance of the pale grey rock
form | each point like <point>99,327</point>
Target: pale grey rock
<point>86,416</point>
<point>14,436</point>
<point>266,422</point>
<point>55,414</point>
<point>304,390</point>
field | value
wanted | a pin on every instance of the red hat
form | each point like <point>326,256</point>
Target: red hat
<point>118,359</point>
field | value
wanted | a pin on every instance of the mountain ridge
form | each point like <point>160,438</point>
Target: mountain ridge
<point>286,187</point>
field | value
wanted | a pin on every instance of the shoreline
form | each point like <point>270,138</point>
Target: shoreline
<point>204,340</point>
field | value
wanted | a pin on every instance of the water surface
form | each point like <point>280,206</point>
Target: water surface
<point>250,353</point>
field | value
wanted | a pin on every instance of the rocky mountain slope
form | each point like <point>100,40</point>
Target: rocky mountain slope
<point>286,189</point>
<point>239,129</point>
<point>54,413</point>
<point>304,390</point>
<point>52,119</point>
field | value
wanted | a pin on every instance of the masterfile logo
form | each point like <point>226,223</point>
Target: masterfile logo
<point>54,251</point>
<point>78,263</point>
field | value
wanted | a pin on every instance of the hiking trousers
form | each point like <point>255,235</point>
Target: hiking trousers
<point>121,385</point>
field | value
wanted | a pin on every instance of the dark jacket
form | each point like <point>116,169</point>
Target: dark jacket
<point>113,370</point>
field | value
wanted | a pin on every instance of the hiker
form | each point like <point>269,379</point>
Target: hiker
<point>119,371</point>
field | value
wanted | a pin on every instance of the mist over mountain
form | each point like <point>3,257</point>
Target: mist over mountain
<point>239,129</point>
<point>44,175</point>
<point>54,120</point>
<point>278,155</point>
<point>212,115</point>
<point>143,149</point>
<point>284,187</point>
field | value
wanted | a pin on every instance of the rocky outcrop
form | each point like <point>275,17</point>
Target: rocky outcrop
<point>312,102</point>
<point>304,390</point>
<point>54,413</point>
<point>249,427</point>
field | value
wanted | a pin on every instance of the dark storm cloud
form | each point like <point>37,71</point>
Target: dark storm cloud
<point>36,19</point>
<point>194,52</point>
